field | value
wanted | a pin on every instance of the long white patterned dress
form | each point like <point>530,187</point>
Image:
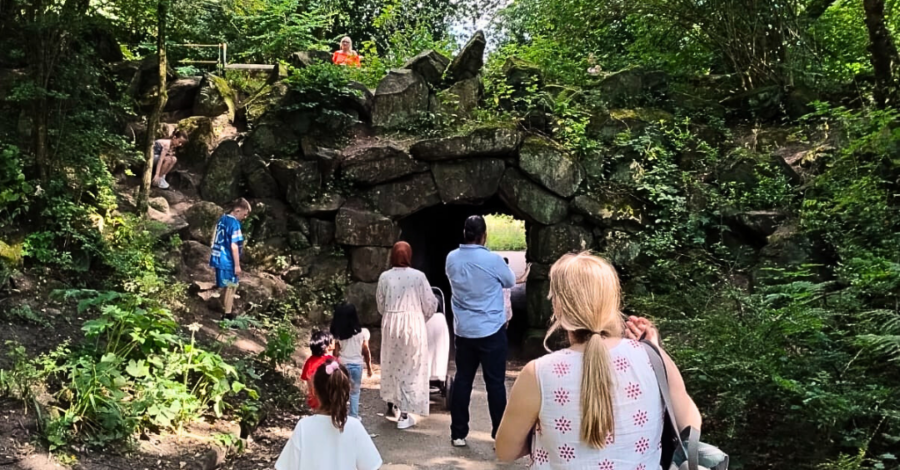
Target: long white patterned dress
<point>405,300</point>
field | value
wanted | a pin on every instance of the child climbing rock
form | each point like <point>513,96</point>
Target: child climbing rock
<point>227,243</point>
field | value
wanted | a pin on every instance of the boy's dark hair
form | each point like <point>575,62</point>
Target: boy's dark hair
<point>345,323</point>
<point>319,342</point>
<point>179,134</point>
<point>474,229</point>
<point>506,260</point>
<point>240,203</point>
<point>333,392</point>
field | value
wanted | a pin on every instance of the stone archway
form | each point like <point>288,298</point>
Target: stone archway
<point>530,177</point>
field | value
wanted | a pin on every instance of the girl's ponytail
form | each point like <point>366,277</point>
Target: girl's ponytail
<point>332,384</point>
<point>597,386</point>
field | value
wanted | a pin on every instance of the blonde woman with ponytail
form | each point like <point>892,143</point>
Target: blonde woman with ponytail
<point>595,404</point>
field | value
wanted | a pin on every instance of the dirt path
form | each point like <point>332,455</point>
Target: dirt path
<point>427,445</point>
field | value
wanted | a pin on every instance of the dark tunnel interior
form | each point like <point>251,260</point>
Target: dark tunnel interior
<point>436,231</point>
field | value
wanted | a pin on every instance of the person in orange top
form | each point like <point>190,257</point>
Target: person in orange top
<point>346,55</point>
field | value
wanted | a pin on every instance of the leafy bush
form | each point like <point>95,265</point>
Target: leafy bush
<point>16,191</point>
<point>281,342</point>
<point>134,371</point>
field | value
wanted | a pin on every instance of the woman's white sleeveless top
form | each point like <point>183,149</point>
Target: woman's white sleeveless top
<point>639,411</point>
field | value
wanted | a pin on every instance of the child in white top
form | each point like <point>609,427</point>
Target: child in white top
<point>352,348</point>
<point>330,439</point>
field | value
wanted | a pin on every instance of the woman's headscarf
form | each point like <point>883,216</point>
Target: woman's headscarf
<point>401,255</point>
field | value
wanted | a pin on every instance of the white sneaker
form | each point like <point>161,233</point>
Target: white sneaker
<point>459,442</point>
<point>406,423</point>
<point>163,184</point>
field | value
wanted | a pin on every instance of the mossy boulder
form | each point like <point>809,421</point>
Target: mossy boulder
<point>610,211</point>
<point>468,180</point>
<point>485,142</point>
<point>468,63</point>
<point>359,227</point>
<point>202,218</point>
<point>606,125</point>
<point>430,65</point>
<point>182,93</point>
<point>304,182</point>
<point>368,262</point>
<point>403,197</point>
<point>400,99</point>
<point>529,201</point>
<point>202,136</point>
<point>549,164</point>
<point>548,244</point>
<point>259,180</point>
<point>362,296</point>
<point>378,162</point>
<point>214,98</point>
<point>462,99</point>
<point>632,85</point>
<point>223,174</point>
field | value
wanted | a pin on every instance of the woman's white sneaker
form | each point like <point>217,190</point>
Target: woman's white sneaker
<point>459,442</point>
<point>406,423</point>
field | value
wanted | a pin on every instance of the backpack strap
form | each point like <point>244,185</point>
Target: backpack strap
<point>659,368</point>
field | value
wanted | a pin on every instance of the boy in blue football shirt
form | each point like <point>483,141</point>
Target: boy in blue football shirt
<point>227,244</point>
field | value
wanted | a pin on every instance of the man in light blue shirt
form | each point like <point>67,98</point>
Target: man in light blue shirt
<point>477,279</point>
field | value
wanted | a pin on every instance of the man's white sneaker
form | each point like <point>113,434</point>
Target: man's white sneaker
<point>406,423</point>
<point>163,184</point>
<point>459,442</point>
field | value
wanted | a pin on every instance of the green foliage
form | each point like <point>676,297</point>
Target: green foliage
<point>25,314</point>
<point>281,342</point>
<point>505,233</point>
<point>785,361</point>
<point>135,370</point>
<point>321,89</point>
<point>23,379</point>
<point>16,192</point>
<point>272,30</point>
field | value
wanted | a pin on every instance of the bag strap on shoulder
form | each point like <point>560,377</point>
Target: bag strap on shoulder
<point>662,377</point>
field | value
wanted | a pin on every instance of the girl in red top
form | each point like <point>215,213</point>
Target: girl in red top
<point>346,55</point>
<point>321,343</point>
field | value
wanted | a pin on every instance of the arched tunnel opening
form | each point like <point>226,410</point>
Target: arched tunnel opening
<point>436,231</point>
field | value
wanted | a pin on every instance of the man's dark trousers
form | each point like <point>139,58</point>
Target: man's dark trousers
<point>490,353</point>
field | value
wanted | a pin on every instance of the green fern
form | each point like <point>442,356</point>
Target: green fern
<point>887,342</point>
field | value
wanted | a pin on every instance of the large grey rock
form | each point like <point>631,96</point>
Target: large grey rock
<point>223,174</point>
<point>404,197</point>
<point>321,232</point>
<point>362,296</point>
<point>547,163</point>
<point>258,291</point>
<point>521,74</point>
<point>610,211</point>
<point>272,255</point>
<point>202,218</point>
<point>487,142</point>
<point>362,100</point>
<point>530,201</point>
<point>539,307</point>
<point>272,138</point>
<point>430,65</point>
<point>202,138</point>
<point>468,180</point>
<point>306,58</point>
<point>467,64</point>
<point>213,98</point>
<point>621,87</point>
<point>548,244</point>
<point>259,180</point>
<point>368,262</point>
<point>378,163</point>
<point>321,205</point>
<point>609,124</point>
<point>181,93</point>
<point>284,171</point>
<point>358,227</point>
<point>196,254</point>
<point>270,219</point>
<point>326,269</point>
<point>303,184</point>
<point>400,98</point>
<point>462,98</point>
<point>759,224</point>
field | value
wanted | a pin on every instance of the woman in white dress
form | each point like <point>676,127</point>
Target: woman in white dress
<point>405,303</point>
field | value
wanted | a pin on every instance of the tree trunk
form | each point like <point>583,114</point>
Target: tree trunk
<point>883,53</point>
<point>161,98</point>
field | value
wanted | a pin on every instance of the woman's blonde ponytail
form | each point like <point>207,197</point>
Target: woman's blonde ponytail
<point>597,420</point>
<point>584,291</point>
